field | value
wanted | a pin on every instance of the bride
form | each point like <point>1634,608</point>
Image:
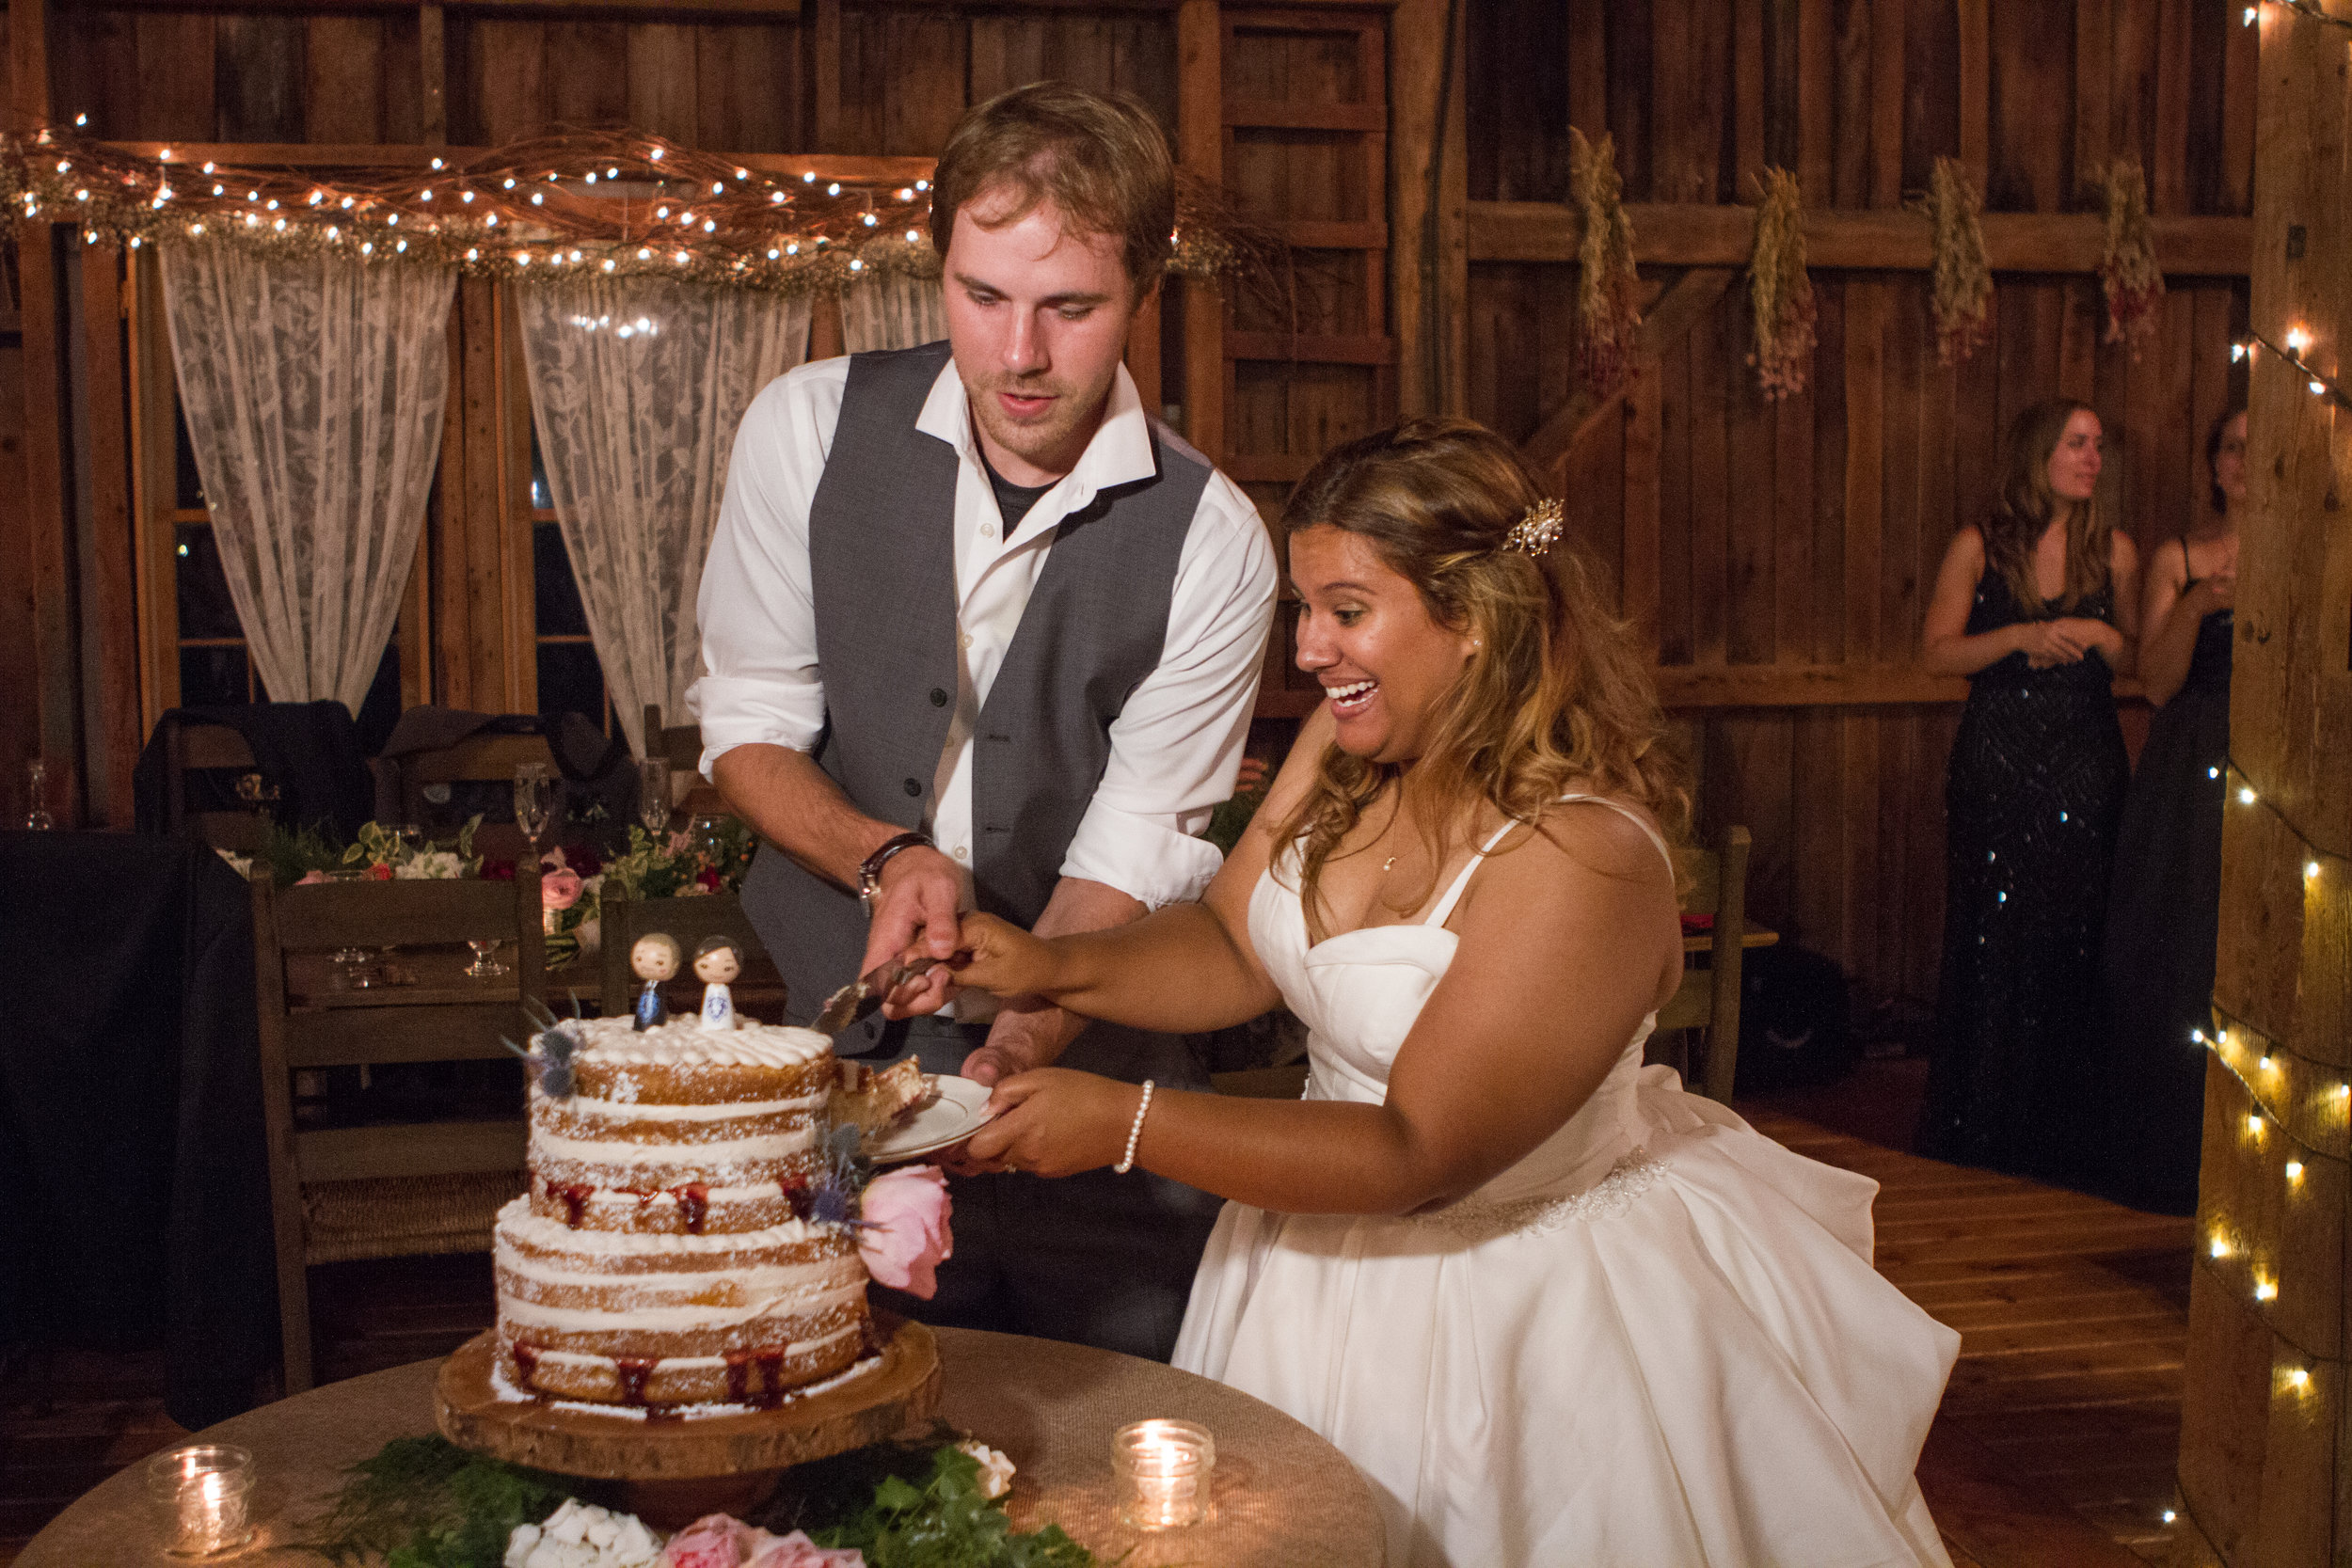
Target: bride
<point>1556,1309</point>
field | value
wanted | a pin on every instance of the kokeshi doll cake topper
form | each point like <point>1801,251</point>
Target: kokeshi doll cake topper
<point>653,960</point>
<point>717,961</point>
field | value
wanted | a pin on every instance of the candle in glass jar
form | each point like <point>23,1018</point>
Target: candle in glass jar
<point>204,1486</point>
<point>1163,1469</point>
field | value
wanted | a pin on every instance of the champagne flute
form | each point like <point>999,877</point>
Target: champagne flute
<point>37,796</point>
<point>486,965</point>
<point>534,801</point>
<point>653,794</point>
<point>351,962</point>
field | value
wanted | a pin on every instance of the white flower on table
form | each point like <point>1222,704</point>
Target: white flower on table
<point>430,865</point>
<point>996,1469</point>
<point>581,1535</point>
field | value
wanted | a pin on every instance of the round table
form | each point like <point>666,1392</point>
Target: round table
<point>1281,1494</point>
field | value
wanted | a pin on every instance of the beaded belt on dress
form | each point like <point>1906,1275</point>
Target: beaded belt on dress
<point>1481,1219</point>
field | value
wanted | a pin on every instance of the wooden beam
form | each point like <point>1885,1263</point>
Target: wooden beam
<point>113,729</point>
<point>1201,151</point>
<point>1894,240</point>
<point>47,461</point>
<point>155,483</point>
<point>1678,311</point>
<point>553,11</point>
<point>1416,92</point>
<point>28,58</point>
<point>432,67</point>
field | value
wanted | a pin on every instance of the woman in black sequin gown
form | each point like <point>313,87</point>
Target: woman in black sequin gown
<point>2039,609</point>
<point>2164,912</point>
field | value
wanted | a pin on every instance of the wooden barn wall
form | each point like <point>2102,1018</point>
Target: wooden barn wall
<point>1806,534</point>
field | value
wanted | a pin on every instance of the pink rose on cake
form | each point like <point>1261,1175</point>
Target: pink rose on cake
<point>904,1237</point>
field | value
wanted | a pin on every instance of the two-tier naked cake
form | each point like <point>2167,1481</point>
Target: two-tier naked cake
<point>658,1258</point>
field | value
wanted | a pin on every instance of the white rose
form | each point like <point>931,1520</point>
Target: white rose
<point>996,1470</point>
<point>430,865</point>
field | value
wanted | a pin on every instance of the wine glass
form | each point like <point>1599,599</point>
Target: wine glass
<point>486,965</point>
<point>36,794</point>
<point>351,961</point>
<point>653,794</point>
<point>534,801</point>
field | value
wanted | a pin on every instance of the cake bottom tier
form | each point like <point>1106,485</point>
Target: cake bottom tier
<point>762,1377</point>
<point>636,1319</point>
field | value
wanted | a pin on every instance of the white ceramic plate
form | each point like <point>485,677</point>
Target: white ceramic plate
<point>958,1108</point>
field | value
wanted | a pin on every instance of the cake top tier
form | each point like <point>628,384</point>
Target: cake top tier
<point>614,1041</point>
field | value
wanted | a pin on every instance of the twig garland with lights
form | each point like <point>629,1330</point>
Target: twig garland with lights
<point>600,203</point>
<point>2318,383</point>
<point>2302,8</point>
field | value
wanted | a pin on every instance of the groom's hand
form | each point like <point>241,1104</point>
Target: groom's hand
<point>914,910</point>
<point>1028,1033</point>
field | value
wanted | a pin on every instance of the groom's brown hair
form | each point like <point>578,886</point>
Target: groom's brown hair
<point>1102,162</point>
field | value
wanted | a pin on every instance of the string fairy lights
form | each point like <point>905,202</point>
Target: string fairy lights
<point>2307,8</point>
<point>2317,382</point>
<point>600,200</point>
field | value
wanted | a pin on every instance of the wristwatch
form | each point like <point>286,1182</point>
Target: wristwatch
<point>869,870</point>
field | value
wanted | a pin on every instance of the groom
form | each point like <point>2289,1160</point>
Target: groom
<point>979,634</point>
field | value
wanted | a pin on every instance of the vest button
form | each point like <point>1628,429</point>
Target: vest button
<point>912,788</point>
<point>938,697</point>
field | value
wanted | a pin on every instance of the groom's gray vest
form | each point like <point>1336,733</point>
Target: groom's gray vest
<point>881,570</point>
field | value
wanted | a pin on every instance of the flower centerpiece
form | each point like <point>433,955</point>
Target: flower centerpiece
<point>711,857</point>
<point>571,896</point>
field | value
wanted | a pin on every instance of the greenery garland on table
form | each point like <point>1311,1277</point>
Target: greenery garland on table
<point>423,1502</point>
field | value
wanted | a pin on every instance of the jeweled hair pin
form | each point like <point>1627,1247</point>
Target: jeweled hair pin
<point>1534,534</point>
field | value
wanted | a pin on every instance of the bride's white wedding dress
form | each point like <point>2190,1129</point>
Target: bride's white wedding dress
<point>1657,1341</point>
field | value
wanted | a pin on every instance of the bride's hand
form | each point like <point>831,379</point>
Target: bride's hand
<point>1001,958</point>
<point>1056,1123</point>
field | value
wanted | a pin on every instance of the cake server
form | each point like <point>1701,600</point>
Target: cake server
<point>860,997</point>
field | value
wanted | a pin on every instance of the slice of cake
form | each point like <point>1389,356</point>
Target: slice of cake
<point>657,1258</point>
<point>873,1100</point>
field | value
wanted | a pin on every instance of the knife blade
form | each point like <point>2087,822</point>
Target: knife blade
<point>858,999</point>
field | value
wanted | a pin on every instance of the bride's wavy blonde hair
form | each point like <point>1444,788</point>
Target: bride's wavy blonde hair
<point>1554,697</point>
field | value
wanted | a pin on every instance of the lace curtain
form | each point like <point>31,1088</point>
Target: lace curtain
<point>637,385</point>
<point>891,311</point>
<point>313,391</point>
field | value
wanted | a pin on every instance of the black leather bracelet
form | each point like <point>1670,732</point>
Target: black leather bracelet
<point>869,870</point>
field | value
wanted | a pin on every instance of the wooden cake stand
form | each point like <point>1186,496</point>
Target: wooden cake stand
<point>678,1470</point>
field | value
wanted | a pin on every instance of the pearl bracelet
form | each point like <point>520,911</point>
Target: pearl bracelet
<point>1127,1160</point>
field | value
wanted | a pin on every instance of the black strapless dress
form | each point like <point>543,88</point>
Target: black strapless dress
<point>2163,920</point>
<point>2031,797</point>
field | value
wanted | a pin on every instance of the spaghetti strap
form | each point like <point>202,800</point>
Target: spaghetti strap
<point>1444,911</point>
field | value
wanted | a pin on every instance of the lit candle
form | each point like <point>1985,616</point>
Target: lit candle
<point>1163,1469</point>
<point>205,1487</point>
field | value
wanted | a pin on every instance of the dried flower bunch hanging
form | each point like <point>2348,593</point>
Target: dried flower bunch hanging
<point>2128,270</point>
<point>1780,292</point>
<point>594,202</point>
<point>1607,286</point>
<point>1962,296</point>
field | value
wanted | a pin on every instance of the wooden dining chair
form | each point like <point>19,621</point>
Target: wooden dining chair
<point>488,758</point>
<point>194,747</point>
<point>384,1188</point>
<point>622,921</point>
<point>1708,1004</point>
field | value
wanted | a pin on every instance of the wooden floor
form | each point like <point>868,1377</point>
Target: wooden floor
<point>2054,1448</point>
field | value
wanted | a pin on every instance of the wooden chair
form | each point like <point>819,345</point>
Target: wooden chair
<point>196,747</point>
<point>399,1189</point>
<point>622,921</point>
<point>1708,1000</point>
<point>477,759</point>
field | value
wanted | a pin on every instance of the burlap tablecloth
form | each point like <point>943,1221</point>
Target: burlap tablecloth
<point>1283,1496</point>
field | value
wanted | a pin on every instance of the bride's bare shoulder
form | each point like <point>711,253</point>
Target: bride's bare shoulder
<point>1607,838</point>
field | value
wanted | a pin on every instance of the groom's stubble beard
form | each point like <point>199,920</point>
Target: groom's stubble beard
<point>1072,416</point>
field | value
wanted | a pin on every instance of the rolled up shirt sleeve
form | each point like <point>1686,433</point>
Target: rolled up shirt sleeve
<point>1177,743</point>
<point>761,681</point>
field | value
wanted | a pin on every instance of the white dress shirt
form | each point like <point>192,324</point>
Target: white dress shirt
<point>1174,746</point>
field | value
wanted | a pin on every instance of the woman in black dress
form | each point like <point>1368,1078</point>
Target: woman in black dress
<point>2039,608</point>
<point>2165,914</point>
